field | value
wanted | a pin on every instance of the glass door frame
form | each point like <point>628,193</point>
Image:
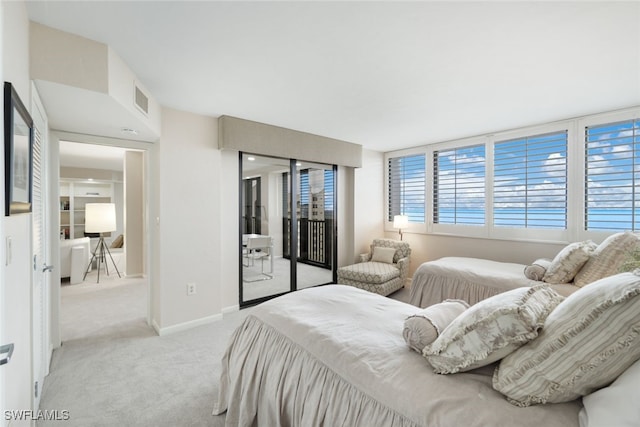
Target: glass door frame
<point>293,230</point>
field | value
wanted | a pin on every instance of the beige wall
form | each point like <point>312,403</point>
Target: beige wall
<point>69,59</point>
<point>188,219</point>
<point>134,172</point>
<point>227,181</point>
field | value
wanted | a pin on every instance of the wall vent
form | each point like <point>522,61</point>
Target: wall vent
<point>141,100</point>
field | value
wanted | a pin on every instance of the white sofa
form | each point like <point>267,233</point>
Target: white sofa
<point>74,258</point>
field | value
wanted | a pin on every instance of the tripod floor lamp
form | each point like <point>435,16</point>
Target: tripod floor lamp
<point>100,218</point>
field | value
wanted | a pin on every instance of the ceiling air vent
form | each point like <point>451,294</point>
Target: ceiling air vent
<point>141,100</point>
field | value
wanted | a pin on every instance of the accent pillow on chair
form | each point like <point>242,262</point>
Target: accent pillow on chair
<point>491,329</point>
<point>383,254</point>
<point>585,343</point>
<point>423,328</point>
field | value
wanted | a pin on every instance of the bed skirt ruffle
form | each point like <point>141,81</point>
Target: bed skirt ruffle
<point>269,380</point>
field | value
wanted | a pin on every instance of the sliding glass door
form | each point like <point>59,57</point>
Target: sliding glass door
<point>315,223</point>
<point>286,207</point>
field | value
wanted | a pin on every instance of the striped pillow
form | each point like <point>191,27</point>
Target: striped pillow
<point>607,258</point>
<point>586,343</point>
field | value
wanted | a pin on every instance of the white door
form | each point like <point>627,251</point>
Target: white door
<point>40,282</point>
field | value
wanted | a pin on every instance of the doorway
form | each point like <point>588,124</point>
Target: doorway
<point>105,174</point>
<point>286,207</point>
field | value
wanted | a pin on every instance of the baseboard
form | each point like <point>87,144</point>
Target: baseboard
<point>186,325</point>
<point>231,309</point>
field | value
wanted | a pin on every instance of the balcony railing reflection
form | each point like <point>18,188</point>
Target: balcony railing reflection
<point>314,241</point>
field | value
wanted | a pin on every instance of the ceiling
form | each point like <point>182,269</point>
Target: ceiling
<point>387,75</point>
<point>80,155</point>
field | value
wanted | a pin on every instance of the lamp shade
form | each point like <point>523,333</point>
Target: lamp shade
<point>99,217</point>
<point>400,221</point>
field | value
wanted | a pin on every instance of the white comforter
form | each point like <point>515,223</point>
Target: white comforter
<point>335,356</point>
<point>468,279</point>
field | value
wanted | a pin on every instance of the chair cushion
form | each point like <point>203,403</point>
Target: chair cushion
<point>371,272</point>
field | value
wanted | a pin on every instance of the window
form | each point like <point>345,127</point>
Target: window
<point>612,165</point>
<point>407,187</point>
<point>459,186</point>
<point>530,182</point>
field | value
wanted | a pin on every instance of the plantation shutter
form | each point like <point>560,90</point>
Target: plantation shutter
<point>612,187</point>
<point>530,182</point>
<point>459,186</point>
<point>406,196</point>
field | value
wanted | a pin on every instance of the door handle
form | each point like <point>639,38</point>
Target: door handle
<point>47,268</point>
<point>6,349</point>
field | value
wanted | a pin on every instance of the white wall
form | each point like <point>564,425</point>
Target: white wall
<point>189,246</point>
<point>3,323</point>
<point>16,271</point>
<point>369,201</point>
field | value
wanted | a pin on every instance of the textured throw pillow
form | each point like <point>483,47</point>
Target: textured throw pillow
<point>537,269</point>
<point>423,328</point>
<point>491,329</point>
<point>631,261</point>
<point>616,405</point>
<point>568,262</point>
<point>607,258</point>
<point>585,343</point>
<point>118,242</point>
<point>381,254</point>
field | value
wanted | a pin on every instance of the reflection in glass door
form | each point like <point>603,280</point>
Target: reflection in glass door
<point>269,225</point>
<point>252,203</point>
<point>264,272</point>
<point>315,224</point>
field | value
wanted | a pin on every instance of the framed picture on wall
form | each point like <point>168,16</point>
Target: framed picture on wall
<point>18,153</point>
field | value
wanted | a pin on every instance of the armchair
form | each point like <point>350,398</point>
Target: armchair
<point>383,270</point>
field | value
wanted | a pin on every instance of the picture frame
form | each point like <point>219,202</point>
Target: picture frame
<point>18,154</point>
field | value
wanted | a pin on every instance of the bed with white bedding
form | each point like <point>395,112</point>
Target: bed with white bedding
<point>335,356</point>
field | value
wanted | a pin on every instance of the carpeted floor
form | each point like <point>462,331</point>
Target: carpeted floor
<point>113,370</point>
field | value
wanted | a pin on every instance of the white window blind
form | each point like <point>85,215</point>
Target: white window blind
<point>530,182</point>
<point>406,191</point>
<point>459,186</point>
<point>612,180</point>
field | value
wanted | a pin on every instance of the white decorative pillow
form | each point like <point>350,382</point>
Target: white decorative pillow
<point>491,329</point>
<point>568,262</point>
<point>537,269</point>
<point>381,254</point>
<point>608,257</point>
<point>616,405</point>
<point>586,342</point>
<point>424,327</point>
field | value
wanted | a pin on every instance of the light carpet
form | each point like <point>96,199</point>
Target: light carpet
<point>113,370</point>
